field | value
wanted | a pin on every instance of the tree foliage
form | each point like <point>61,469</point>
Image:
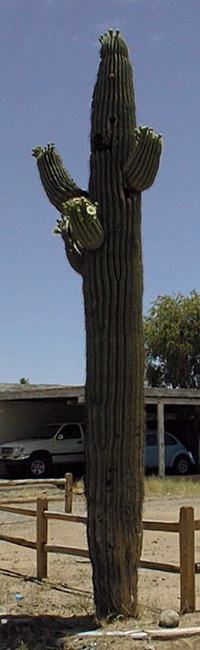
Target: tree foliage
<point>172,341</point>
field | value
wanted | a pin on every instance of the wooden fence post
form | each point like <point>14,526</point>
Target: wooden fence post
<point>187,559</point>
<point>68,492</point>
<point>41,540</point>
<point>161,439</point>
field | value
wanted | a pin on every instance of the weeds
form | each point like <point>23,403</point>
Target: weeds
<point>174,486</point>
<point>186,486</point>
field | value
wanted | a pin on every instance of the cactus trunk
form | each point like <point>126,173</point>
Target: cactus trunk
<point>101,230</point>
<point>113,287</point>
<point>114,394</point>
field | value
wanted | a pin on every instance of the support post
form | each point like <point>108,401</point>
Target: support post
<point>41,524</point>
<point>187,559</point>
<point>68,492</point>
<point>198,438</point>
<point>161,439</point>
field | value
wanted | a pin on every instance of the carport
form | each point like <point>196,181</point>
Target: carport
<point>24,408</point>
<point>175,398</point>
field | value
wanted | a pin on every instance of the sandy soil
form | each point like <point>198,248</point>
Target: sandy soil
<point>64,602</point>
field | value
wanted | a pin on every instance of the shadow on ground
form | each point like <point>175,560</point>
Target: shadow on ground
<point>41,632</point>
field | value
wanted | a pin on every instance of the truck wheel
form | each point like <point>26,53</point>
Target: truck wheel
<point>182,465</point>
<point>39,465</point>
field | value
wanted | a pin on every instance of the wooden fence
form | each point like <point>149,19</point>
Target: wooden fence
<point>185,527</point>
<point>66,482</point>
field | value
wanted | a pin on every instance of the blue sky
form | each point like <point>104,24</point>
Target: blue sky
<point>49,53</point>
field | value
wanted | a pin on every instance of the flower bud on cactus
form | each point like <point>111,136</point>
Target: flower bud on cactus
<point>84,223</point>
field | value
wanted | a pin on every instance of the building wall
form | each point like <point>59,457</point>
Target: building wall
<point>20,419</point>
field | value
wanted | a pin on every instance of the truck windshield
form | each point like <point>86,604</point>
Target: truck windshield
<point>47,431</point>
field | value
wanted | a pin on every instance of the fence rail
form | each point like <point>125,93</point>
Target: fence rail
<point>168,526</point>
<point>7,483</point>
<point>185,528</point>
<point>66,482</point>
<point>20,541</point>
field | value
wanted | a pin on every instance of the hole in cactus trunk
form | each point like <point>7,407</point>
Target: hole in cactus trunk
<point>112,119</point>
<point>127,192</point>
<point>99,144</point>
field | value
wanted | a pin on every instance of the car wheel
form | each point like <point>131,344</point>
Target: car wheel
<point>182,465</point>
<point>39,465</point>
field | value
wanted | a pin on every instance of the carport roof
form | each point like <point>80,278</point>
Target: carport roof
<point>40,391</point>
<point>59,391</point>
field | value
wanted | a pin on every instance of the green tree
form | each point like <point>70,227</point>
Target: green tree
<point>172,341</point>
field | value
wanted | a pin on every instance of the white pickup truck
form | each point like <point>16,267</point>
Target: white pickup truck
<point>57,443</point>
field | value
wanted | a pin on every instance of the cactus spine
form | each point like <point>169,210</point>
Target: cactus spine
<point>124,160</point>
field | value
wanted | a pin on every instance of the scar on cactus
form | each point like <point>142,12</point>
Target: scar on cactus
<point>101,230</point>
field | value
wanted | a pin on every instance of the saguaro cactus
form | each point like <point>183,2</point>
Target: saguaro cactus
<point>101,229</point>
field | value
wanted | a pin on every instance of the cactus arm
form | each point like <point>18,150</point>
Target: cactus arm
<point>82,215</point>
<point>75,258</point>
<point>143,162</point>
<point>74,252</point>
<point>85,226</point>
<point>80,230</point>
<point>57,183</point>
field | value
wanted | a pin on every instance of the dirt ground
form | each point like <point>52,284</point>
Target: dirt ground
<point>51,614</point>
